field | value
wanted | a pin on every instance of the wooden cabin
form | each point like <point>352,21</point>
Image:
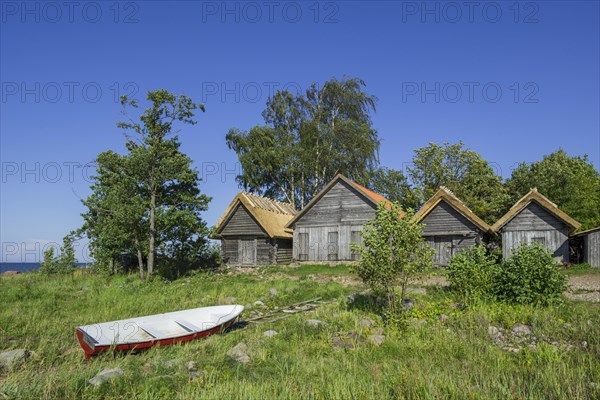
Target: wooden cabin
<point>333,219</point>
<point>450,226</point>
<point>590,246</point>
<point>533,219</point>
<point>252,231</point>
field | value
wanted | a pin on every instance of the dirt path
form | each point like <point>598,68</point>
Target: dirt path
<point>584,287</point>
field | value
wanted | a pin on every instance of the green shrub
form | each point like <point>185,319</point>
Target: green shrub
<point>50,263</point>
<point>393,251</point>
<point>471,273</point>
<point>530,276</point>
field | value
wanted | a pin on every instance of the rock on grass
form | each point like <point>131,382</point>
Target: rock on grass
<point>13,358</point>
<point>105,375</point>
<point>239,353</point>
<point>376,340</point>
<point>315,323</point>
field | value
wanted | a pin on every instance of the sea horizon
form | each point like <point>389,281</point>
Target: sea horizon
<point>28,266</point>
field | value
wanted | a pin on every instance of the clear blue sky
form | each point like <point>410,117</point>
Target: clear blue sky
<point>514,82</point>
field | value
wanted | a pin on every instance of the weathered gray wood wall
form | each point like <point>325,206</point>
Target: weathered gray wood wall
<point>445,220</point>
<point>591,249</point>
<point>245,243</point>
<point>342,211</point>
<point>448,232</point>
<point>242,223</point>
<point>535,224</point>
<point>447,246</point>
<point>284,253</point>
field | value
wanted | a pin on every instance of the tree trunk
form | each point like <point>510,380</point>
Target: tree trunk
<point>152,234</point>
<point>140,258</point>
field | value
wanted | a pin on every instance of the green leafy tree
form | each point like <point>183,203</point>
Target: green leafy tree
<point>50,263</point>
<point>464,172</point>
<point>571,182</point>
<point>394,186</point>
<point>116,220</point>
<point>307,139</point>
<point>147,201</point>
<point>393,251</point>
<point>66,259</point>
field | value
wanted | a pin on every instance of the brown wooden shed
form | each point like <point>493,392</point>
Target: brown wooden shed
<point>252,231</point>
<point>450,226</point>
<point>534,218</point>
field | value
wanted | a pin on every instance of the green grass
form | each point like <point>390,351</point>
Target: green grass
<point>452,359</point>
<point>581,269</point>
<point>312,269</point>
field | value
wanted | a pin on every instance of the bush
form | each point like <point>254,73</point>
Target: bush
<point>471,273</point>
<point>393,251</point>
<point>530,276</point>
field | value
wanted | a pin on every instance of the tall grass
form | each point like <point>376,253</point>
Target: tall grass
<point>435,359</point>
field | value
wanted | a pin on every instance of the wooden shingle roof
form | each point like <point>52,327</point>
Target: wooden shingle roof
<point>271,215</point>
<point>587,231</point>
<point>535,196</point>
<point>371,196</point>
<point>444,194</point>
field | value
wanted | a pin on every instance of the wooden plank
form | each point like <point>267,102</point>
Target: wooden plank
<point>554,240</point>
<point>534,218</point>
<point>444,219</point>
<point>242,223</point>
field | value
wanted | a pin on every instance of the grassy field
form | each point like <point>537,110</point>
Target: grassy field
<point>446,351</point>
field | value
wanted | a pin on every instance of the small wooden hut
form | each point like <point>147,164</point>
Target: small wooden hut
<point>334,218</point>
<point>252,231</point>
<point>590,246</point>
<point>450,226</point>
<point>533,219</point>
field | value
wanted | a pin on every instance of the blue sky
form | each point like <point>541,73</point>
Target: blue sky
<point>513,81</point>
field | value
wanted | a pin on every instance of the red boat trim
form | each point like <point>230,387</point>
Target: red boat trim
<point>91,351</point>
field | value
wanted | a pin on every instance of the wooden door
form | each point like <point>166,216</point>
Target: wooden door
<point>248,247</point>
<point>303,247</point>
<point>332,246</point>
<point>443,250</point>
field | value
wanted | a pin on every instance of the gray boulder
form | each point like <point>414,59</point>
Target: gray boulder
<point>13,358</point>
<point>105,375</point>
<point>273,292</point>
<point>521,330</point>
<point>315,323</point>
<point>191,366</point>
<point>270,333</point>
<point>408,304</point>
<point>239,353</point>
<point>493,331</point>
<point>376,340</point>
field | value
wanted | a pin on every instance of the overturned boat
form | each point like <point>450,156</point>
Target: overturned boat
<point>160,329</point>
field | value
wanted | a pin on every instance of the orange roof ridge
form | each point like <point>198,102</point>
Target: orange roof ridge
<point>370,195</point>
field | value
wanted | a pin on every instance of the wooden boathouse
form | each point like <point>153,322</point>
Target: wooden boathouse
<point>252,231</point>
<point>450,226</point>
<point>535,219</point>
<point>334,218</point>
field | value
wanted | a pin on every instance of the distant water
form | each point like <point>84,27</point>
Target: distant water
<point>25,266</point>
